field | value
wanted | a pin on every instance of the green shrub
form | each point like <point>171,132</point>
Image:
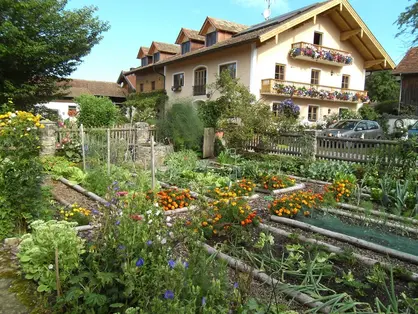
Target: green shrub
<point>21,196</point>
<point>326,170</point>
<point>147,106</point>
<point>96,111</point>
<point>37,253</point>
<point>182,126</point>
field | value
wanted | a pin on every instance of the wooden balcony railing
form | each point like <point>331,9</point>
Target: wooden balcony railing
<point>199,90</point>
<point>303,90</point>
<point>321,54</point>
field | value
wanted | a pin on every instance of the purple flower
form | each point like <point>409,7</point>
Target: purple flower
<point>121,247</point>
<point>171,263</point>
<point>186,264</point>
<point>117,223</point>
<point>139,262</point>
<point>203,301</point>
<point>149,242</point>
<point>95,211</point>
<point>168,294</point>
<point>236,285</point>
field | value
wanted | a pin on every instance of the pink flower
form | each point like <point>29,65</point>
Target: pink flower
<point>122,193</point>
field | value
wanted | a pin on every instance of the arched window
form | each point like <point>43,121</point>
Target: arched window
<point>199,87</point>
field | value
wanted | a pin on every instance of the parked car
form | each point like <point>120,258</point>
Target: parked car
<point>355,128</point>
<point>413,130</point>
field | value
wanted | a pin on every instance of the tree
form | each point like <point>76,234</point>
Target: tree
<point>408,22</point>
<point>240,115</point>
<point>42,43</point>
<point>96,111</point>
<point>382,86</point>
<point>147,105</point>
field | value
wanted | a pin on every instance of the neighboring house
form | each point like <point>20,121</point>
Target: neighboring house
<point>317,55</point>
<point>127,82</point>
<point>75,87</point>
<point>407,69</point>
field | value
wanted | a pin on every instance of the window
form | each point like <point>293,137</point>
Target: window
<point>317,38</point>
<point>315,77</point>
<point>156,57</point>
<point>345,81</point>
<point>276,108</point>
<point>185,47</point>
<point>178,80</point>
<point>279,74</point>
<point>361,126</point>
<point>141,87</point>
<point>211,39</point>
<point>313,113</point>
<point>72,111</point>
<point>230,67</point>
<point>199,87</point>
<point>153,85</point>
<point>144,61</point>
<point>373,125</point>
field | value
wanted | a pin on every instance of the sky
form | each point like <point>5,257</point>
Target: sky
<point>136,23</point>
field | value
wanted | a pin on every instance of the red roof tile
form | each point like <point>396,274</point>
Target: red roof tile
<point>409,63</point>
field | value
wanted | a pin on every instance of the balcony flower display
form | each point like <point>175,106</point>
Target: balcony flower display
<point>291,90</point>
<point>321,53</point>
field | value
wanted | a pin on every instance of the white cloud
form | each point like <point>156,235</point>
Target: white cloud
<point>277,7</point>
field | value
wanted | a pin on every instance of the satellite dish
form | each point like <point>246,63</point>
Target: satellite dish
<point>267,13</point>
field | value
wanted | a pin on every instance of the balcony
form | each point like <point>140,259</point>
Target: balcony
<point>199,90</point>
<point>320,54</point>
<point>302,90</point>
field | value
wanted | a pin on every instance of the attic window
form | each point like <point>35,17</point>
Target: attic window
<point>211,38</point>
<point>144,61</point>
<point>156,57</point>
<point>185,47</point>
<point>317,39</point>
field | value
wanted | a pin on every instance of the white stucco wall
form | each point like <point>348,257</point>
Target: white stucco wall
<point>300,70</point>
<point>61,107</point>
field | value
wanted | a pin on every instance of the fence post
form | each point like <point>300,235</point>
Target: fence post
<point>315,145</point>
<point>108,152</point>
<point>48,138</point>
<point>152,163</point>
<point>209,142</point>
<point>83,148</point>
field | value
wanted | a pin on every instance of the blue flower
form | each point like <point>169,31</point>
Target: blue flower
<point>149,242</point>
<point>139,262</point>
<point>121,247</point>
<point>236,285</point>
<point>117,223</point>
<point>171,263</point>
<point>203,301</point>
<point>186,264</point>
<point>168,294</point>
<point>95,211</point>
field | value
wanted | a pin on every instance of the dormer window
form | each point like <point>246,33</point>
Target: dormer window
<point>211,38</point>
<point>144,61</point>
<point>156,57</point>
<point>185,47</point>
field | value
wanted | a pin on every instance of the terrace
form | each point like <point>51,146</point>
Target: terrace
<point>305,90</point>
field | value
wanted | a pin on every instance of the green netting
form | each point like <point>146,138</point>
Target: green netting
<point>367,233</point>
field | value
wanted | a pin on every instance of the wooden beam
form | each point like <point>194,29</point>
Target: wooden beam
<point>314,19</point>
<point>346,35</point>
<point>304,17</point>
<point>361,33</point>
<point>341,7</point>
<point>371,63</point>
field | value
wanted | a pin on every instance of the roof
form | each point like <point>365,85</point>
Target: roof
<point>164,47</point>
<point>224,25</point>
<point>144,50</point>
<point>129,79</point>
<point>409,63</point>
<point>340,11</point>
<point>191,34</point>
<point>78,87</point>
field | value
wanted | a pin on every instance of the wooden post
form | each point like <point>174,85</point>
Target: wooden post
<point>108,152</point>
<point>152,163</point>
<point>83,148</point>
<point>209,143</point>
<point>57,273</point>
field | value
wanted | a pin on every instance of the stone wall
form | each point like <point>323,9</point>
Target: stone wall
<point>160,152</point>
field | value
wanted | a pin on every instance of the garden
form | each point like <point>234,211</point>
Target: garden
<point>244,232</point>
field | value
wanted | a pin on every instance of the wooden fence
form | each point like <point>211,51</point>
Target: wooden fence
<point>321,147</point>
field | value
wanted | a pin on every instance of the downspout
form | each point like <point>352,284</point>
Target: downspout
<point>400,96</point>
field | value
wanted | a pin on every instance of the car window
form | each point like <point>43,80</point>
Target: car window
<point>362,125</point>
<point>373,125</point>
<point>345,125</point>
<point>415,126</point>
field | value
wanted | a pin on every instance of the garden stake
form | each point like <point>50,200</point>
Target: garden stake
<point>108,152</point>
<point>57,273</point>
<point>83,149</point>
<point>152,163</point>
